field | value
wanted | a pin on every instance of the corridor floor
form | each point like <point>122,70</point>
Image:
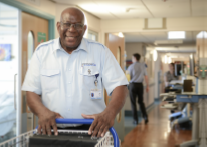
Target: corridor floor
<point>157,133</point>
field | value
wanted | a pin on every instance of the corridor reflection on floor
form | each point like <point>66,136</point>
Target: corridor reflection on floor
<point>157,133</point>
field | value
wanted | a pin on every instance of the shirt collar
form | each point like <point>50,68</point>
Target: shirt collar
<point>82,45</point>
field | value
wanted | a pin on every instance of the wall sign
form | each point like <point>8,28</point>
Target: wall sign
<point>41,37</point>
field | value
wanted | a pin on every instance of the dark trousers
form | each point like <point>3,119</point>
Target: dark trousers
<point>136,89</point>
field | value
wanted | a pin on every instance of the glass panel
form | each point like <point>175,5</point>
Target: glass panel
<point>30,50</point>
<point>9,68</point>
<point>30,46</point>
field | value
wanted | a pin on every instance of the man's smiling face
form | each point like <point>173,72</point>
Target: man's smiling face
<point>71,37</point>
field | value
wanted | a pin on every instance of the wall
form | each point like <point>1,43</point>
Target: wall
<point>137,25</point>
<point>113,42</point>
<point>92,21</point>
<point>133,47</point>
<point>56,9</point>
<point>201,44</point>
<point>45,6</point>
<point>116,43</point>
<point>132,25</point>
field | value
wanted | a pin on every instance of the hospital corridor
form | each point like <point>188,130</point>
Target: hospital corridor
<point>103,73</point>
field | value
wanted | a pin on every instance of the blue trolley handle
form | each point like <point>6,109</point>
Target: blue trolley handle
<point>88,121</point>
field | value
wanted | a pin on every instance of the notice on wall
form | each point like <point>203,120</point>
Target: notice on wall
<point>41,37</point>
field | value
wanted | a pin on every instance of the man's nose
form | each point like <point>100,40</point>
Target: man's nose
<point>72,28</point>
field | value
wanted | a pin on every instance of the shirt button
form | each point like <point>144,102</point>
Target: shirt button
<point>68,109</point>
<point>69,69</point>
<point>69,82</point>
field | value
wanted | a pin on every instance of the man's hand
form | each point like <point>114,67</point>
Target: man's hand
<point>147,89</point>
<point>46,121</point>
<point>102,122</point>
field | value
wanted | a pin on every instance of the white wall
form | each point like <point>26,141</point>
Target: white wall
<point>136,47</point>
<point>56,9</point>
<point>132,48</point>
<point>135,25</point>
<point>157,65</point>
<point>45,6</point>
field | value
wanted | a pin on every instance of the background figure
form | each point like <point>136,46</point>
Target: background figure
<point>137,73</point>
<point>169,76</point>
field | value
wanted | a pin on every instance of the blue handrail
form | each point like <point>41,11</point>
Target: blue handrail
<point>88,121</point>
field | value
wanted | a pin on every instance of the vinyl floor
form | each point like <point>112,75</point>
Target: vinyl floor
<point>157,133</point>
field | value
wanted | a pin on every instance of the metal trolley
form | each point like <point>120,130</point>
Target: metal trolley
<point>109,139</point>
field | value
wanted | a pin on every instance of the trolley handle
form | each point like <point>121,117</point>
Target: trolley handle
<point>88,121</point>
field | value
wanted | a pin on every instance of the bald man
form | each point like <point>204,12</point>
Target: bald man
<point>66,78</point>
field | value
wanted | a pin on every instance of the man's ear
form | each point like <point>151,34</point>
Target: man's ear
<point>85,27</point>
<point>58,27</point>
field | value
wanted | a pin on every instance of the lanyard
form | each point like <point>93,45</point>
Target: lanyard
<point>96,81</point>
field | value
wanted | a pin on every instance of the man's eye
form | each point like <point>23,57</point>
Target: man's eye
<point>67,24</point>
<point>78,25</point>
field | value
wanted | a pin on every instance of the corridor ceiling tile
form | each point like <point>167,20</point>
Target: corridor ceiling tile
<point>199,8</point>
<point>170,8</point>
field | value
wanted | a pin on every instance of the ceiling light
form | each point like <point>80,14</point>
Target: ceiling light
<point>169,60</point>
<point>157,42</point>
<point>155,55</point>
<point>165,59</point>
<point>174,56</point>
<point>121,34</point>
<point>176,35</point>
<point>191,56</point>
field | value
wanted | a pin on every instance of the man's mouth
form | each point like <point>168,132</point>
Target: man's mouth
<point>70,38</point>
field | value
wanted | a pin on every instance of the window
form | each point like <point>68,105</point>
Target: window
<point>30,46</point>
<point>92,35</point>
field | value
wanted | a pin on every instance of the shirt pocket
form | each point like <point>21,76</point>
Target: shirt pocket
<point>50,79</point>
<point>87,74</point>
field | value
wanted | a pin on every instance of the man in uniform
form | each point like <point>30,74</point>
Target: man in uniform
<point>60,81</point>
<point>137,72</point>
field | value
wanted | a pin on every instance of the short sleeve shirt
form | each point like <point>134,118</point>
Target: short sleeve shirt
<point>170,76</point>
<point>137,72</point>
<point>64,82</point>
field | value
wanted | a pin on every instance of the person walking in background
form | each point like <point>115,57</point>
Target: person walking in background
<point>170,76</point>
<point>137,73</point>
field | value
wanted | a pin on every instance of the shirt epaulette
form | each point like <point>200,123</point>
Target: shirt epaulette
<point>92,41</point>
<point>44,43</point>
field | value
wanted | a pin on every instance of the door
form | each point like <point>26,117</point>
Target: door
<point>34,32</point>
<point>9,72</point>
<point>117,46</point>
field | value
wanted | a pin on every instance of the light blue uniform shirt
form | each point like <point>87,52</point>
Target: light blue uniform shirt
<point>64,82</point>
<point>137,72</point>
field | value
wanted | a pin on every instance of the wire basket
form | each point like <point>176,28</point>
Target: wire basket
<point>110,139</point>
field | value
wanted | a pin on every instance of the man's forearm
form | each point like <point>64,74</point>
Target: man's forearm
<point>35,104</point>
<point>118,100</point>
<point>146,81</point>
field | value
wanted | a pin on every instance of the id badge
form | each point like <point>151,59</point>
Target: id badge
<point>95,94</point>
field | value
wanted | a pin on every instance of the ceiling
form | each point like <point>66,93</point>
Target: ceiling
<point>122,9</point>
<point>151,37</point>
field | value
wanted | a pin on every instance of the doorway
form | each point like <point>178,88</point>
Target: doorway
<point>34,32</point>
